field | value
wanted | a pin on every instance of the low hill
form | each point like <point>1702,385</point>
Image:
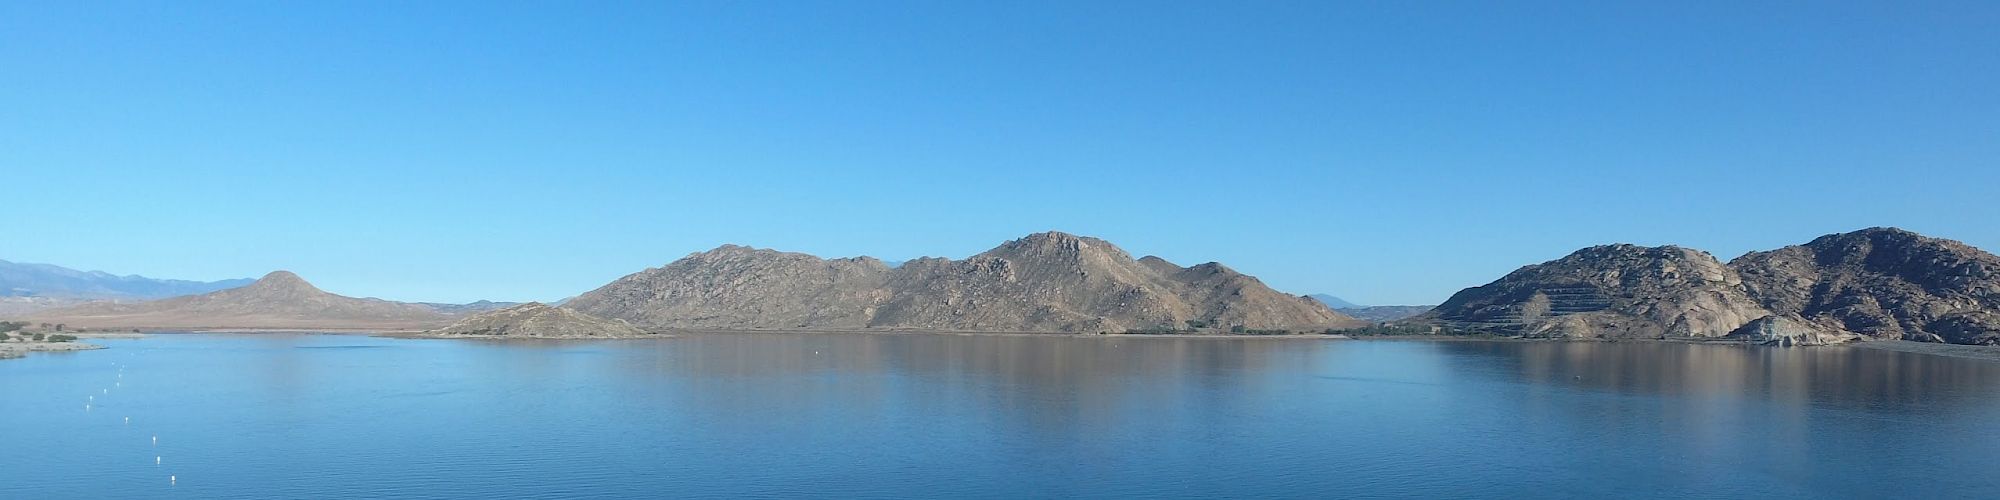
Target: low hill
<point>537,320</point>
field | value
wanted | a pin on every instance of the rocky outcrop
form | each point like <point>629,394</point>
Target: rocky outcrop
<point>1048,282</point>
<point>1611,291</point>
<point>537,320</point>
<point>280,300</point>
<point>1791,330</point>
<point>1884,283</point>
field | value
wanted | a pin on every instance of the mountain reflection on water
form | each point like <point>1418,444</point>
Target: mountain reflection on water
<point>931,415</point>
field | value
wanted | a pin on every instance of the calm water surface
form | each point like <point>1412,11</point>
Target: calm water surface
<point>290,416</point>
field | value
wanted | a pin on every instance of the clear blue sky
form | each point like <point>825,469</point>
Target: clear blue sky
<point>1386,152</point>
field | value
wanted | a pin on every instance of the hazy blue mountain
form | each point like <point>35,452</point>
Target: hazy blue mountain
<point>467,308</point>
<point>45,280</point>
<point>1334,302</point>
<point>1383,314</point>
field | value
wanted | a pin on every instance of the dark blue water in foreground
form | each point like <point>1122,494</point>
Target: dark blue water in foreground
<point>940,416</point>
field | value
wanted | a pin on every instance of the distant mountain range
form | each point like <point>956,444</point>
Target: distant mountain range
<point>467,308</point>
<point>1880,283</point>
<point>57,282</point>
<point>1378,314</point>
<point>1333,302</point>
<point>1046,282</point>
<point>280,300</point>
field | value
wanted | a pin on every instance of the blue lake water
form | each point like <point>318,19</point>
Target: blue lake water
<point>947,416</point>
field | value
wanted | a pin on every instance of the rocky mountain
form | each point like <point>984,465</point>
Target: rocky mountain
<point>1048,282</point>
<point>1623,291</point>
<point>537,320</point>
<point>57,282</point>
<point>1884,283</point>
<point>280,300</point>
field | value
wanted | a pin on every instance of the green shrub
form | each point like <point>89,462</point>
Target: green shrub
<point>62,338</point>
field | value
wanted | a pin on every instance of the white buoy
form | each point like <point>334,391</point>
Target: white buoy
<point>156,460</point>
<point>173,479</point>
<point>128,420</point>
<point>156,440</point>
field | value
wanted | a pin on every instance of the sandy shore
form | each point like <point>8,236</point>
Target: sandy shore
<point>18,349</point>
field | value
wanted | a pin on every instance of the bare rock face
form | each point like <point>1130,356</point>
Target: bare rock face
<point>1791,330</point>
<point>742,287</point>
<point>537,320</point>
<point>1048,282</point>
<point>280,300</point>
<point>1611,291</point>
<point>1883,283</point>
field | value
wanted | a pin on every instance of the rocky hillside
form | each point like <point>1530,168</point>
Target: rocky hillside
<point>278,300</point>
<point>1050,282</point>
<point>1884,283</point>
<point>1621,291</point>
<point>1880,283</point>
<point>742,287</point>
<point>537,320</point>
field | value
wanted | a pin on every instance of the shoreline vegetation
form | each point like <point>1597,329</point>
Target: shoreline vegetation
<point>17,338</point>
